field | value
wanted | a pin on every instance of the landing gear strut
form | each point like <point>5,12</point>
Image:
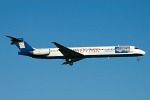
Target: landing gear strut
<point>138,58</point>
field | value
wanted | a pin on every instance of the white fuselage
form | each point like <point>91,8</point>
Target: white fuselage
<point>75,54</point>
<point>88,52</point>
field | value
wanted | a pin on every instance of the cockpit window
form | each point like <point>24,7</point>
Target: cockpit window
<point>136,48</point>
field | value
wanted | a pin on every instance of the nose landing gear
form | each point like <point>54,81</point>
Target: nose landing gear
<point>138,58</point>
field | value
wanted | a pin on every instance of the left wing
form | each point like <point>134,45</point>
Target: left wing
<point>70,55</point>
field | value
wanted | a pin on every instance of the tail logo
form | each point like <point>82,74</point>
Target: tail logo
<point>21,45</point>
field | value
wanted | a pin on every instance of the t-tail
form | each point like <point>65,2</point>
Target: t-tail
<point>23,46</point>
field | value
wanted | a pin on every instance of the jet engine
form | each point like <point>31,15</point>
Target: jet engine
<point>39,52</point>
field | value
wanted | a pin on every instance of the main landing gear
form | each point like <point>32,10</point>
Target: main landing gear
<point>138,58</point>
<point>68,61</point>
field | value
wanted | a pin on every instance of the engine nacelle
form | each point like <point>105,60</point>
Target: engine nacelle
<point>40,52</point>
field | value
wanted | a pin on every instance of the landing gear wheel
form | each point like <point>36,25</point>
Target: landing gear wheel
<point>70,63</point>
<point>69,59</point>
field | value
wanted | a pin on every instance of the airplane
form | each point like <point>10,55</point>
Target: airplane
<point>75,54</point>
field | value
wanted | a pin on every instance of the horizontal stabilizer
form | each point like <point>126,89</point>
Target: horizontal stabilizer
<point>14,39</point>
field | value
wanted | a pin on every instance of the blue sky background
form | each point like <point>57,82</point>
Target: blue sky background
<point>74,23</point>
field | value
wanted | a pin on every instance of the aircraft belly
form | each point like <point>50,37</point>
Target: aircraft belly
<point>112,55</point>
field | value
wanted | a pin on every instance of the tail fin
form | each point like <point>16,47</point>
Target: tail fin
<point>21,44</point>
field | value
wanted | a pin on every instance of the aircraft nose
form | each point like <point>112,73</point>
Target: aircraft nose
<point>143,52</point>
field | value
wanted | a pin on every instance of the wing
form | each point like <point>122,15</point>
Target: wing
<point>70,55</point>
